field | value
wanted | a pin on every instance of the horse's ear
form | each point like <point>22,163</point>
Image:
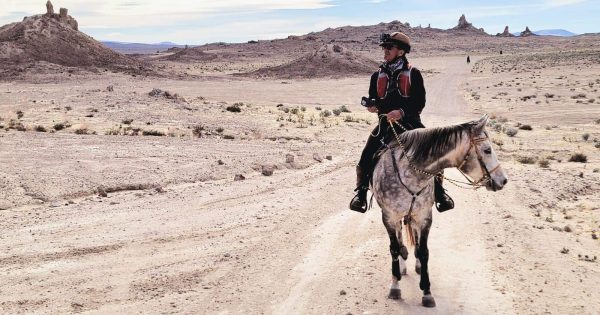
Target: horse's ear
<point>481,122</point>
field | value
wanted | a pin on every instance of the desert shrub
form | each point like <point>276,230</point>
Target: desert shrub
<point>127,121</point>
<point>61,126</point>
<point>597,145</point>
<point>40,129</point>
<point>525,127</point>
<point>544,163</point>
<point>295,110</point>
<point>228,137</point>
<point>336,112</point>
<point>68,108</point>
<point>197,130</point>
<point>578,96</point>
<point>153,133</point>
<point>303,108</point>
<point>585,136</point>
<point>325,113</point>
<point>578,157</point>
<point>349,118</point>
<point>511,132</point>
<point>235,108</point>
<point>526,159</point>
<point>319,108</point>
<point>81,131</point>
<point>549,95</point>
<point>89,115</point>
<point>19,114</point>
<point>219,129</point>
<point>344,109</point>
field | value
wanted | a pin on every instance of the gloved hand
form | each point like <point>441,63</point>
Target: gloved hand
<point>395,115</point>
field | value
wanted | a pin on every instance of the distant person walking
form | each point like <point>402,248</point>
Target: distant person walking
<point>396,90</point>
<point>468,59</point>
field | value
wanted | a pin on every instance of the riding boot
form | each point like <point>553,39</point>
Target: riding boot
<point>359,202</point>
<point>443,202</point>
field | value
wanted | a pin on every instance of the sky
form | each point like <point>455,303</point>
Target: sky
<point>208,21</point>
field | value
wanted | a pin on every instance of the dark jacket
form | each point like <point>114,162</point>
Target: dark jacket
<point>412,105</point>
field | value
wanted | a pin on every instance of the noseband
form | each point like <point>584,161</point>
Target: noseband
<point>487,177</point>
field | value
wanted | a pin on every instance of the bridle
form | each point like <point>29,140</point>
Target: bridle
<point>487,177</point>
<point>473,141</point>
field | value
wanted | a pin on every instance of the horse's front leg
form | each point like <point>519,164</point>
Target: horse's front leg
<point>396,249</point>
<point>422,254</point>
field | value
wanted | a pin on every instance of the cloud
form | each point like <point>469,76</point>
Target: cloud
<point>561,3</point>
<point>119,13</point>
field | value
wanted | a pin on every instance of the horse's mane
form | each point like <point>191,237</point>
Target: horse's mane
<point>426,144</point>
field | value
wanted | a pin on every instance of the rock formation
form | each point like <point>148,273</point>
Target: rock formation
<point>527,32</point>
<point>506,33</point>
<point>463,26</point>
<point>49,8</point>
<point>52,38</point>
<point>462,22</point>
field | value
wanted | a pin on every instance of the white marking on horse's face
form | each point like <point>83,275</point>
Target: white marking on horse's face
<point>483,149</point>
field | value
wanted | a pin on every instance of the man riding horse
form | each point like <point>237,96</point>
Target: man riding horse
<point>397,91</point>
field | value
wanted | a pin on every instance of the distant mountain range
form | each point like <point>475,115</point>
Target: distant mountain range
<point>555,32</point>
<point>138,48</point>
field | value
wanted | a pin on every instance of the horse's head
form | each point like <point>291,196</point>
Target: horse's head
<point>480,162</point>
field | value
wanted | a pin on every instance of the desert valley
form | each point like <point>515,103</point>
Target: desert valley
<point>215,179</point>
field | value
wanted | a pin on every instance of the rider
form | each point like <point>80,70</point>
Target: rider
<point>396,90</point>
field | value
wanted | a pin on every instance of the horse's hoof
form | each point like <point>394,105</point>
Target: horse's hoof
<point>418,269</point>
<point>394,294</point>
<point>428,301</point>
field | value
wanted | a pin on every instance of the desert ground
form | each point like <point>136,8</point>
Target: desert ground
<point>132,206</point>
<point>216,179</point>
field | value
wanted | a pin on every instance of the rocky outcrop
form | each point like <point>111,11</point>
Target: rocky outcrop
<point>462,23</point>
<point>52,38</point>
<point>527,32</point>
<point>506,33</point>
<point>49,8</point>
<point>464,27</point>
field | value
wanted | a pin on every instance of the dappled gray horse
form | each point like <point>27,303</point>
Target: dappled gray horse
<point>403,186</point>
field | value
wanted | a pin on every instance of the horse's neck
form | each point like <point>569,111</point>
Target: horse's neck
<point>452,157</point>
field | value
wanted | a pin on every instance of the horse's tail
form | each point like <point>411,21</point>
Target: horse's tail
<point>410,236</point>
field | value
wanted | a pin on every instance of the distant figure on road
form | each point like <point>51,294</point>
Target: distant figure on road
<point>501,51</point>
<point>468,59</point>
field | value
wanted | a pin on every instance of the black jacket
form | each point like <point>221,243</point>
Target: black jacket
<point>412,106</point>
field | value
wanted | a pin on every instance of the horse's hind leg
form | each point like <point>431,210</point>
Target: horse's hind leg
<point>396,249</point>
<point>422,254</point>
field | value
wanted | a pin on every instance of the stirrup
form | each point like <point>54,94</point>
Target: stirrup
<point>358,204</point>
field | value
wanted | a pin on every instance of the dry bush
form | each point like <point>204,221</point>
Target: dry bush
<point>325,113</point>
<point>511,132</point>
<point>578,157</point>
<point>40,129</point>
<point>81,131</point>
<point>585,136</point>
<point>228,137</point>
<point>336,112</point>
<point>235,108</point>
<point>197,131</point>
<point>526,159</point>
<point>544,163</point>
<point>525,127</point>
<point>127,121</point>
<point>153,133</point>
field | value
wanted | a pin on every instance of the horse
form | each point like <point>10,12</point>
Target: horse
<point>402,185</point>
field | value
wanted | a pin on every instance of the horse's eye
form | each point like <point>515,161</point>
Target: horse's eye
<point>488,151</point>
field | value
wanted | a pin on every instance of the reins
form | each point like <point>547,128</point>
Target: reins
<point>473,141</point>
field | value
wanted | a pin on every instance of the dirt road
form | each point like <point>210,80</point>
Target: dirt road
<point>285,244</point>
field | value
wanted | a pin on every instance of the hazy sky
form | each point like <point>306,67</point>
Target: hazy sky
<point>205,21</point>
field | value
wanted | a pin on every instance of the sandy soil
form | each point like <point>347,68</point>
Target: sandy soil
<point>175,233</point>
